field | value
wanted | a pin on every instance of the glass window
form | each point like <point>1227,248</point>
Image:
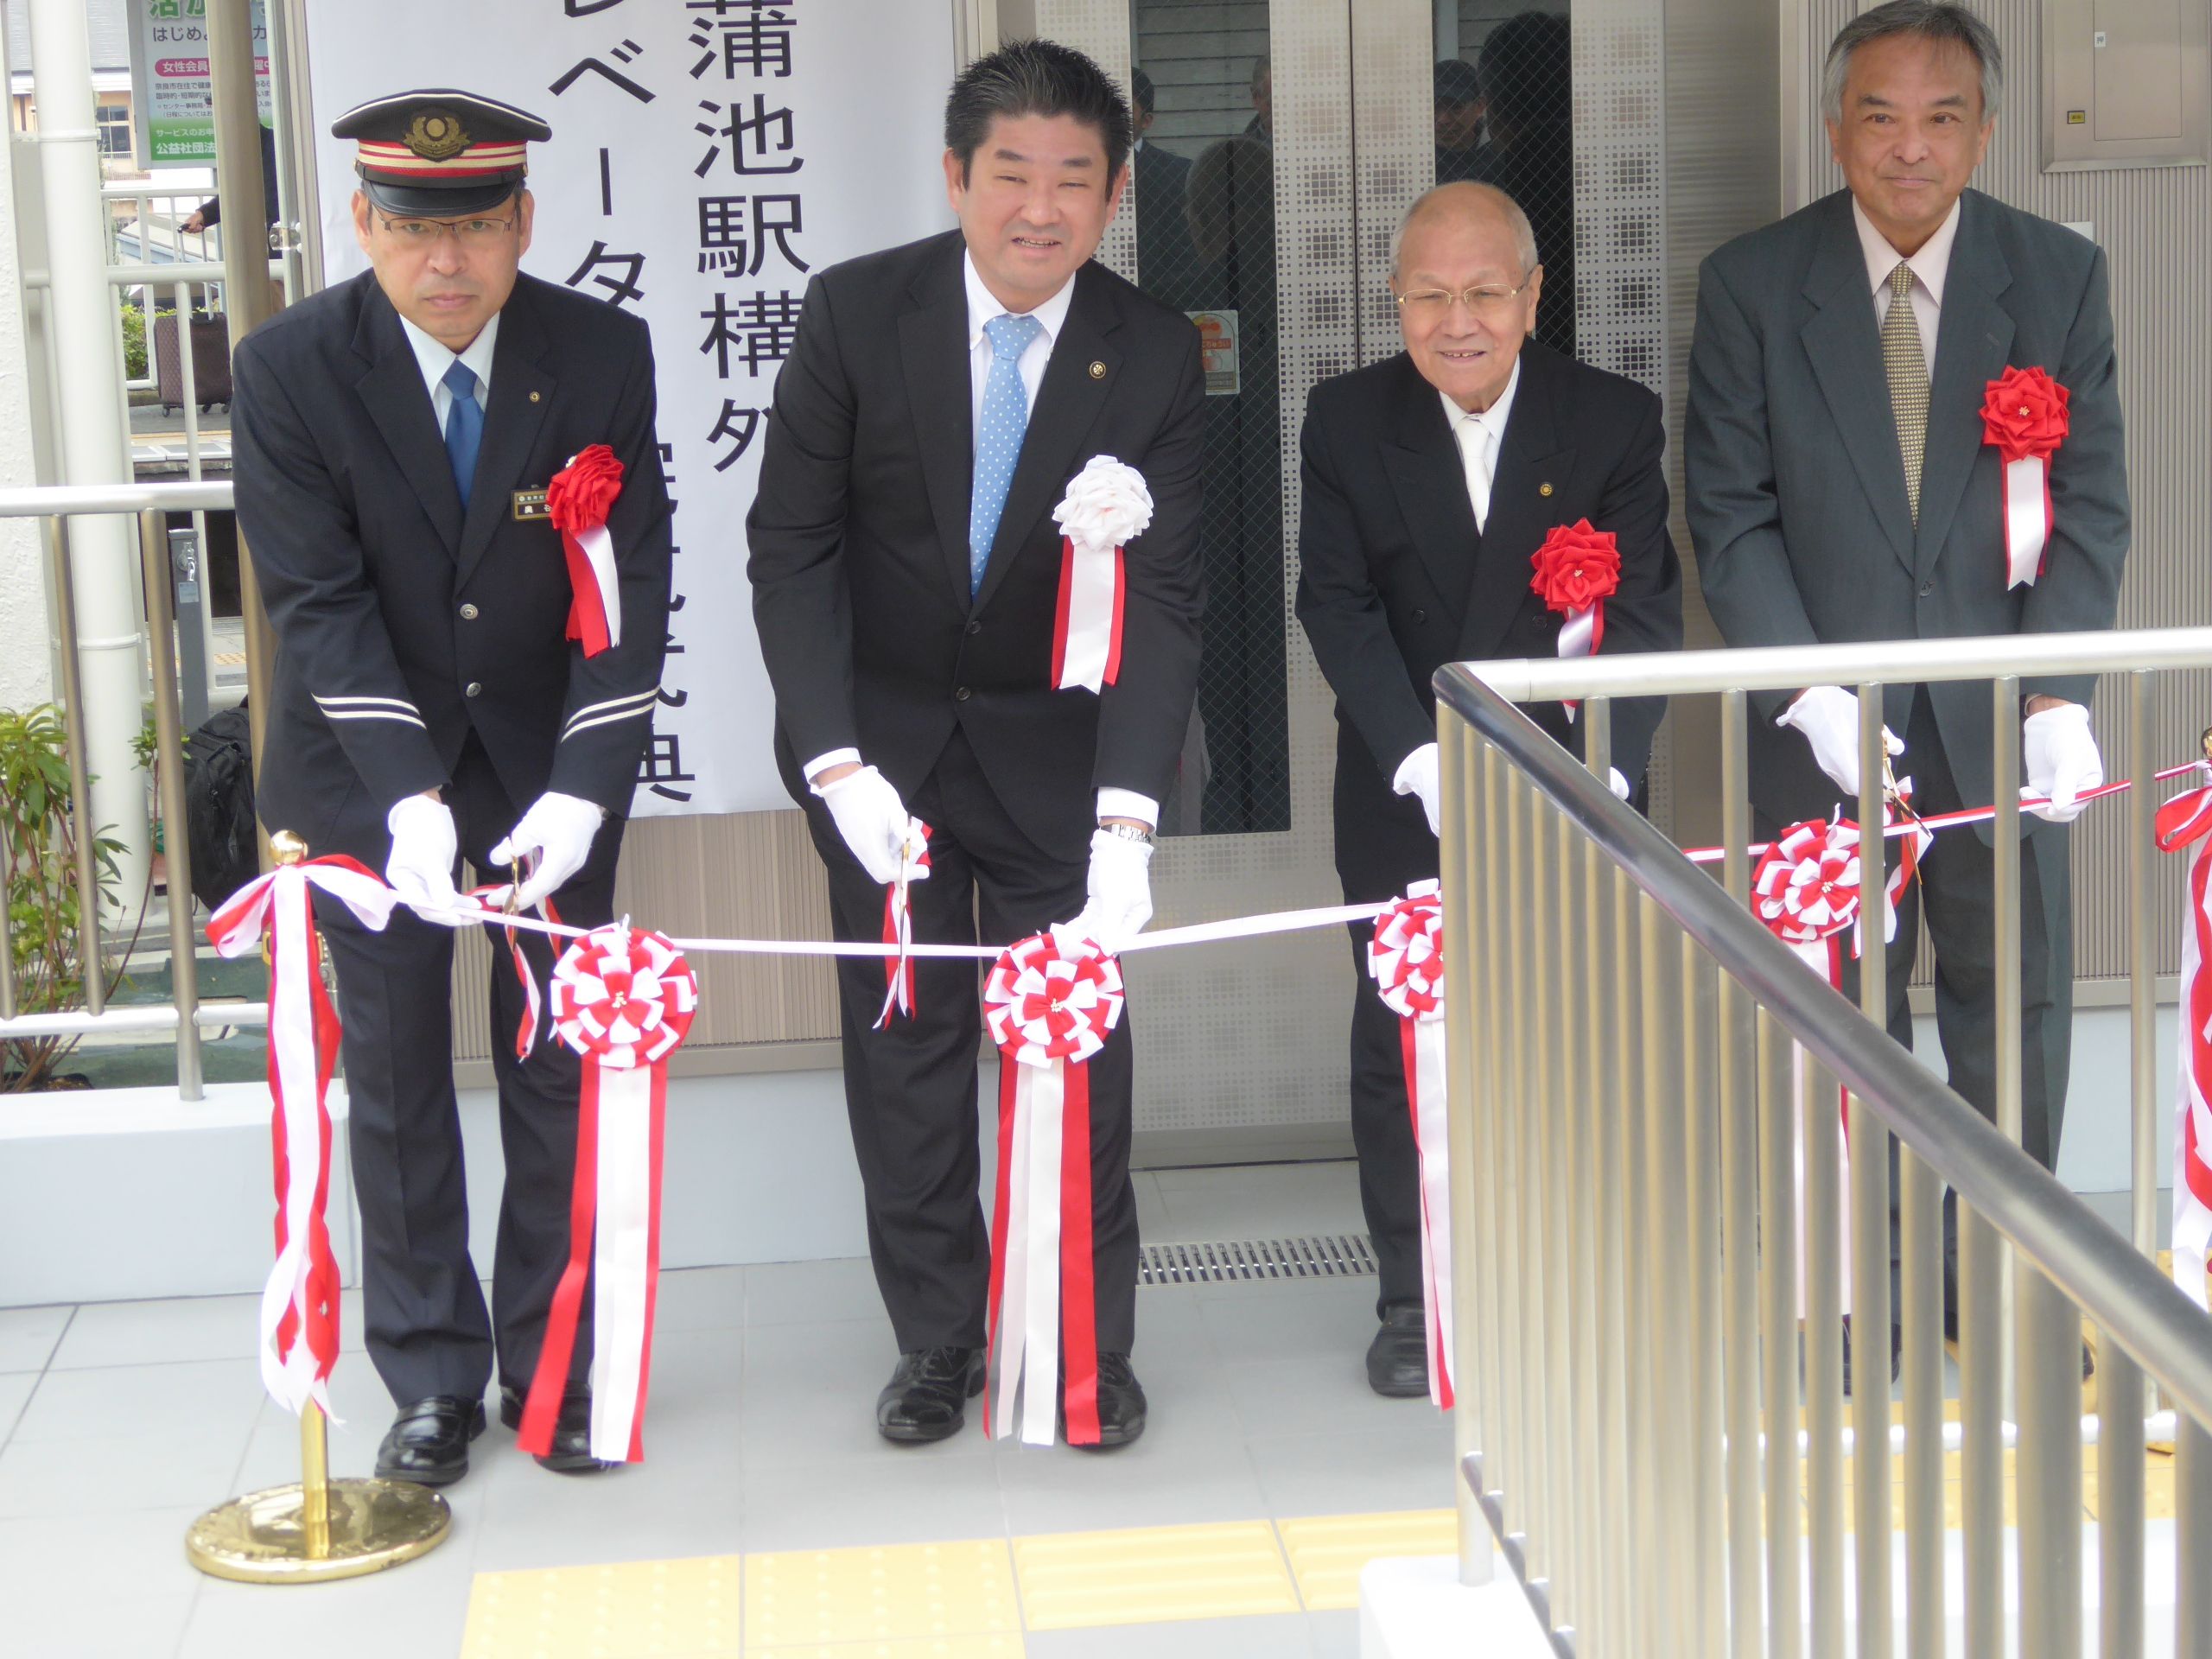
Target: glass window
<point>114,124</point>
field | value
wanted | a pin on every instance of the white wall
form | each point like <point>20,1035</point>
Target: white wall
<point>26,663</point>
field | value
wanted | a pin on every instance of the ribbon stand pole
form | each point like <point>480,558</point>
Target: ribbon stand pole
<point>319,1528</point>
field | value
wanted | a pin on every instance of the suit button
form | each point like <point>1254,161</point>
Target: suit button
<point>960,695</point>
<point>473,688</point>
<point>468,613</point>
<point>975,627</point>
<point>1926,588</point>
<point>1420,612</point>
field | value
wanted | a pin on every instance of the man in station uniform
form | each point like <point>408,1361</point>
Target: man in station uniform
<point>1430,480</point>
<point>1840,488</point>
<point>428,706</point>
<point>906,571</point>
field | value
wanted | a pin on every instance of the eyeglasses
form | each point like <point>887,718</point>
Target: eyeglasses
<point>472,233</point>
<point>1490,300</point>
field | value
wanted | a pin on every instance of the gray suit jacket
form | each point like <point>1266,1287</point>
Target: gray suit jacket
<point>1796,486</point>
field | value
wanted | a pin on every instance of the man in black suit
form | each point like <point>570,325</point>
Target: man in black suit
<point>1431,479</point>
<point>428,705</point>
<point>1840,488</point>
<point>1167,264</point>
<point>906,573</point>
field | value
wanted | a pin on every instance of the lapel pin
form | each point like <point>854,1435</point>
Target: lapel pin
<point>533,396</point>
<point>1099,371</point>
<point>1543,489</point>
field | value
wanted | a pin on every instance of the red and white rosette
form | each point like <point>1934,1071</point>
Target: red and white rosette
<point>2024,417</point>
<point>1049,1006</point>
<point>1575,571</point>
<point>299,1301</point>
<point>578,501</point>
<point>623,998</point>
<point>2184,821</point>
<point>1106,506</point>
<point>899,922</point>
<point>1405,954</point>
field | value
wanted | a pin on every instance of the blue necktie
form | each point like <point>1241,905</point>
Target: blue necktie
<point>998,436</point>
<point>464,427</point>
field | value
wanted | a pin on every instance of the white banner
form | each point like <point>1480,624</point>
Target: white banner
<point>707,155</point>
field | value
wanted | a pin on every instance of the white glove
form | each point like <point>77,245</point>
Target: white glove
<point>2061,760</point>
<point>1119,887</point>
<point>1618,784</point>
<point>1418,775</point>
<point>1829,716</point>
<point>870,816</point>
<point>559,828</point>
<point>425,848</point>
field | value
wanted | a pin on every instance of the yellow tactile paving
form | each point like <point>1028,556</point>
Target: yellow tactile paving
<point>686,1608</point>
<point>957,1647</point>
<point>1074,1579</point>
<point>801,1599</point>
<point>1327,1551</point>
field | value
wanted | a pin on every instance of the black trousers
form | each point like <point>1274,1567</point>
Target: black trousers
<point>428,1329</point>
<point>911,1088</point>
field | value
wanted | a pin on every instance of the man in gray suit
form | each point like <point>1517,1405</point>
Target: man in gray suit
<point>1840,488</point>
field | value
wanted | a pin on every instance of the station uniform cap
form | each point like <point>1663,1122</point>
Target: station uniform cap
<point>438,152</point>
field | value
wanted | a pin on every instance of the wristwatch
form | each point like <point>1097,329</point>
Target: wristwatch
<point>1136,832</point>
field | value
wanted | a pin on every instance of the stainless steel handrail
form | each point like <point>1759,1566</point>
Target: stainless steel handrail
<point>2096,1267</point>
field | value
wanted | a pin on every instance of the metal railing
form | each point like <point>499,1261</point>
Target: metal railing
<point>1635,1062</point>
<point>185,1014</point>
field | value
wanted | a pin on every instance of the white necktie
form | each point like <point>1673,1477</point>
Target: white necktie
<point>1476,458</point>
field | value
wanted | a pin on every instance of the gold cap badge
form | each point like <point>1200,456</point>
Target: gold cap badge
<point>436,136</point>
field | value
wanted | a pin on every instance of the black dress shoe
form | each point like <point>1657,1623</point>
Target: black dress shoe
<point>927,1396</point>
<point>571,1448</point>
<point>427,1441</point>
<point>1897,1354</point>
<point>1397,1360</point>
<point>1121,1405</point>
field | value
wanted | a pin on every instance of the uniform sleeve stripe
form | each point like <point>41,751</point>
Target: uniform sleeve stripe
<point>576,725</point>
<point>400,716</point>
<point>365,702</point>
<point>638,699</point>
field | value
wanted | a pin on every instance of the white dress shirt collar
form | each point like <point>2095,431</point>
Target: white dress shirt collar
<point>1929,266</point>
<point>983,306</point>
<point>1491,420</point>
<point>435,359</point>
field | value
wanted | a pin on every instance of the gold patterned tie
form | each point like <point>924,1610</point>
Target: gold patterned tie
<point>1908,372</point>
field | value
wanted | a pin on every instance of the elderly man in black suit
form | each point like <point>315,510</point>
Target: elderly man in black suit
<point>906,572</point>
<point>428,704</point>
<point>1431,479</point>
<point>1840,488</point>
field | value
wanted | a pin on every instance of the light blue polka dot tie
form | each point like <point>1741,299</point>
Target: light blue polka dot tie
<point>998,436</point>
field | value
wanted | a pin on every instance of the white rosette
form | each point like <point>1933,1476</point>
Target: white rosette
<point>1106,506</point>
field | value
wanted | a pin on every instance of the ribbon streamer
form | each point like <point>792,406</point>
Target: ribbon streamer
<point>1049,1006</point>
<point>2184,821</point>
<point>578,500</point>
<point>2027,520</point>
<point>1405,954</point>
<point>623,999</point>
<point>299,1299</point>
<point>1087,619</point>
<point>899,924</point>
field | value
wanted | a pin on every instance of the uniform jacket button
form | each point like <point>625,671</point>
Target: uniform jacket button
<point>468,613</point>
<point>1420,612</point>
<point>1926,588</point>
<point>473,688</point>
<point>961,695</point>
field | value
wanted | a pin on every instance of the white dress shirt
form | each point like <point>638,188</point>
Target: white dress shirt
<point>982,308</point>
<point>1480,437</point>
<point>435,360</point>
<point>1930,267</point>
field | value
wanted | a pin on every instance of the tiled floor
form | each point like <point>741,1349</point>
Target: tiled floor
<point>119,1423</point>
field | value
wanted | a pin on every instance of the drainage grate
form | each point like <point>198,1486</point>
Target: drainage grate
<point>1331,1255</point>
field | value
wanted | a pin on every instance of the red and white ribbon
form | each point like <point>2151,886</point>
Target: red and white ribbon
<point>493,901</point>
<point>578,501</point>
<point>1405,954</point>
<point>2024,418</point>
<point>1805,888</point>
<point>2183,821</point>
<point>899,922</point>
<point>299,1301</point>
<point>1106,505</point>
<point>623,998</point>
<point>1049,1006</point>
<point>1575,570</point>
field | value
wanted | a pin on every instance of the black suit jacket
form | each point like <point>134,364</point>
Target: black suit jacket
<point>401,624</point>
<point>1395,582</point>
<point>858,541</point>
<point>1795,484</point>
<point>1167,260</point>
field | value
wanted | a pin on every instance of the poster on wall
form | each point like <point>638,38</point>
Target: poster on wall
<point>172,102</point>
<point>706,156</point>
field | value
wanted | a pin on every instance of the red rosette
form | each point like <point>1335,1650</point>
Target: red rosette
<point>1406,954</point>
<point>624,997</point>
<point>2024,414</point>
<point>1806,885</point>
<point>583,493</point>
<point>1576,567</point>
<point>1043,1003</point>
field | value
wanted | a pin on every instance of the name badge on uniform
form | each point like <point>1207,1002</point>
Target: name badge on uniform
<point>530,505</point>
